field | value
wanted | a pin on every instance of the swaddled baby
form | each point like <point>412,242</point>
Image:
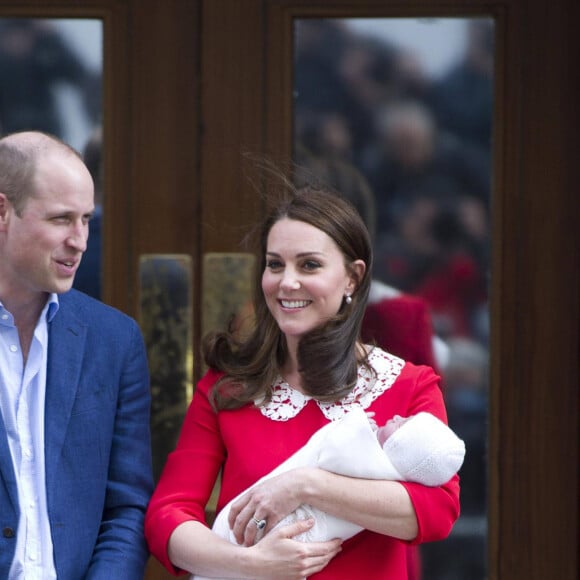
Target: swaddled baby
<point>420,448</point>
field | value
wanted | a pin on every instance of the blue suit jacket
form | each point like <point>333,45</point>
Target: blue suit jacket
<point>97,445</point>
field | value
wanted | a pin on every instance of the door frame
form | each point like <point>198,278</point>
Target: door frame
<point>188,85</point>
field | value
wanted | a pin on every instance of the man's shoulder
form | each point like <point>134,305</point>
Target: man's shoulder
<point>90,310</point>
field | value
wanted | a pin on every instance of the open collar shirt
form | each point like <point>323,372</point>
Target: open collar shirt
<point>22,396</point>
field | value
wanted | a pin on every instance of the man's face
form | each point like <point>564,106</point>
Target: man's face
<point>42,248</point>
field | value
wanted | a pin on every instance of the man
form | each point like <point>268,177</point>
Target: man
<point>75,462</point>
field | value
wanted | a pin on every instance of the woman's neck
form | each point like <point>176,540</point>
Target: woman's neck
<point>289,369</point>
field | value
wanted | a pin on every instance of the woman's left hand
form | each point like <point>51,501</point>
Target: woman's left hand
<point>268,502</point>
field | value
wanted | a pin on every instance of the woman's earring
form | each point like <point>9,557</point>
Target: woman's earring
<point>348,299</point>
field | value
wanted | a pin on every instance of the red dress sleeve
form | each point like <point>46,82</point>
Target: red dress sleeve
<point>189,475</point>
<point>437,508</point>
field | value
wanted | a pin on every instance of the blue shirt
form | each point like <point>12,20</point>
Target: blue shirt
<point>22,396</point>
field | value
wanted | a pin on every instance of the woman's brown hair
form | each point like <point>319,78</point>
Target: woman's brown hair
<point>327,356</point>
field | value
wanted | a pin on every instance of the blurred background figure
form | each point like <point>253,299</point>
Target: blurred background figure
<point>466,377</point>
<point>462,99</point>
<point>414,157</point>
<point>34,60</point>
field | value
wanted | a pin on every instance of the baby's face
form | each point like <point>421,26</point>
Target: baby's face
<point>390,427</point>
<point>393,424</point>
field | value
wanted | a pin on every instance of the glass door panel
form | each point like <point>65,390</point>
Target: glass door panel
<point>396,114</point>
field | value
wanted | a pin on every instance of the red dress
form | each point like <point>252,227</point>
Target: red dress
<point>251,441</point>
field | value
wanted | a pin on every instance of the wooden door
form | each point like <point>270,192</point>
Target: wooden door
<point>190,84</point>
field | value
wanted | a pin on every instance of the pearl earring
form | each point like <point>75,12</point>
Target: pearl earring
<point>348,299</point>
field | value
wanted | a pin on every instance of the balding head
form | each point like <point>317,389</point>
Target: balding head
<point>20,154</point>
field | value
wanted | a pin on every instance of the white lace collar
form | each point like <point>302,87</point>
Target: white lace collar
<point>287,402</point>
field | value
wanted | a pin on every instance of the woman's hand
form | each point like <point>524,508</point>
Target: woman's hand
<point>270,501</point>
<point>279,556</point>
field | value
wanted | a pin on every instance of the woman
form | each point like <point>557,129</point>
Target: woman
<point>262,399</point>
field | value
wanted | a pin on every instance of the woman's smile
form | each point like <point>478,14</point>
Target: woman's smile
<point>294,304</point>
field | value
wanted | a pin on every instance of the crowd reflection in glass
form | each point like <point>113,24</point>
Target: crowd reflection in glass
<point>413,150</point>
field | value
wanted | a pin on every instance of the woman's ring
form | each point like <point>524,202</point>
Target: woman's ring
<point>260,524</point>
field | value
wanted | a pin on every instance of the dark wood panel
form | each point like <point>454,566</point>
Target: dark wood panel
<point>164,124</point>
<point>232,71</point>
<point>118,287</point>
<point>535,343</point>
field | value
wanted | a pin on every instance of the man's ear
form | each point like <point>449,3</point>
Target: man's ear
<point>4,205</point>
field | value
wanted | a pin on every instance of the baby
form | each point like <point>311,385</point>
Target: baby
<point>426,451</point>
<point>420,448</point>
